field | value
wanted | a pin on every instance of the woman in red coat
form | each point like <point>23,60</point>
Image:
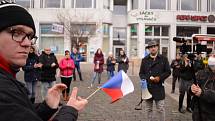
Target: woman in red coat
<point>98,66</point>
<point>66,72</point>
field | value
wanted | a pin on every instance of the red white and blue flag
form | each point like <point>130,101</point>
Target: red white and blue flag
<point>118,86</point>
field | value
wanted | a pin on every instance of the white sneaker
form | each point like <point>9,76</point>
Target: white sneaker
<point>91,85</point>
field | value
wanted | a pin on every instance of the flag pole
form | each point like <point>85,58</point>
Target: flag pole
<point>93,93</point>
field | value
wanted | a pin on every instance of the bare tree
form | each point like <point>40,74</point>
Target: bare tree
<point>77,27</point>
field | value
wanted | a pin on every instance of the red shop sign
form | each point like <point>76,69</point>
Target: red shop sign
<point>192,18</point>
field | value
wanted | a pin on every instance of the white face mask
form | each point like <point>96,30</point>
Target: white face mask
<point>211,63</point>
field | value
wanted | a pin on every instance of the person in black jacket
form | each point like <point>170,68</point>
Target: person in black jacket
<point>204,93</point>
<point>186,79</point>
<point>155,69</point>
<point>32,73</point>
<point>176,71</point>
<point>111,61</point>
<point>17,34</point>
<point>49,67</point>
<point>123,61</point>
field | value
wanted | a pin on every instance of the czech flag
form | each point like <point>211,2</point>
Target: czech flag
<point>118,86</point>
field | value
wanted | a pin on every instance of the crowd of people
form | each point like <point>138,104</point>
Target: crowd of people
<point>17,37</point>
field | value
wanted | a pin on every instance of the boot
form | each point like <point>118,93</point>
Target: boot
<point>32,100</point>
<point>181,98</point>
<point>64,96</point>
<point>67,96</point>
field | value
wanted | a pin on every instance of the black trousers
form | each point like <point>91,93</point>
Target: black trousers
<point>67,82</point>
<point>174,79</point>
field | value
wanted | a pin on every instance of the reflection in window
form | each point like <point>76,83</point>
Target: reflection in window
<point>106,29</point>
<point>189,5</point>
<point>156,30</point>
<point>187,31</point>
<point>134,4</point>
<point>134,30</point>
<point>148,31</point>
<point>25,3</point>
<point>119,33</point>
<point>165,31</point>
<point>157,4</point>
<point>106,4</point>
<point>84,3</point>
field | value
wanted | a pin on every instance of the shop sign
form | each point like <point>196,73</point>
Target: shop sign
<point>196,18</point>
<point>144,15</point>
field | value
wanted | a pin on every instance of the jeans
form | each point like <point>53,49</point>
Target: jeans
<point>110,74</point>
<point>79,73</point>
<point>44,88</point>
<point>31,86</point>
<point>94,77</point>
<point>184,86</point>
<point>160,104</point>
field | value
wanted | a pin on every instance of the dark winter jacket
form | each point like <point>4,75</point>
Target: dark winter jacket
<point>110,64</point>
<point>31,74</point>
<point>158,67</point>
<point>100,58</point>
<point>186,72</point>
<point>77,59</point>
<point>48,72</point>
<point>123,65</point>
<point>175,65</point>
<point>15,105</point>
<point>205,104</point>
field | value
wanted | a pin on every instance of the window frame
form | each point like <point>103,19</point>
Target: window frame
<point>148,3</point>
<point>93,4</point>
<point>198,5</point>
<point>30,6</point>
<point>43,4</point>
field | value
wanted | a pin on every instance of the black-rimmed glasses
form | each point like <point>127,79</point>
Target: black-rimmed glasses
<point>19,35</point>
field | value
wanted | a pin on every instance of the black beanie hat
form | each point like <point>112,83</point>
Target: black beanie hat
<point>12,14</point>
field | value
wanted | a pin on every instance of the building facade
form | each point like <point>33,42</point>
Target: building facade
<point>119,24</point>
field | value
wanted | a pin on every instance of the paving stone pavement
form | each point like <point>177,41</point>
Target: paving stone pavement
<point>99,107</point>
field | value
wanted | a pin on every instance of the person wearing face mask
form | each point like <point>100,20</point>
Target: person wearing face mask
<point>203,102</point>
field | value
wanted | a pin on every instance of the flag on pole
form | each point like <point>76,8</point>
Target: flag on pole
<point>118,86</point>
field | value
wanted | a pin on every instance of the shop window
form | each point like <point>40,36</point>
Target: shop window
<point>211,30</point>
<point>106,29</point>
<point>165,31</point>
<point>186,31</point>
<point>134,30</point>
<point>156,30</point>
<point>51,39</point>
<point>119,33</point>
<point>148,30</point>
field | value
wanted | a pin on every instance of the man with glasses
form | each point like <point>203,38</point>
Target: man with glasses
<point>155,69</point>
<point>17,34</point>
